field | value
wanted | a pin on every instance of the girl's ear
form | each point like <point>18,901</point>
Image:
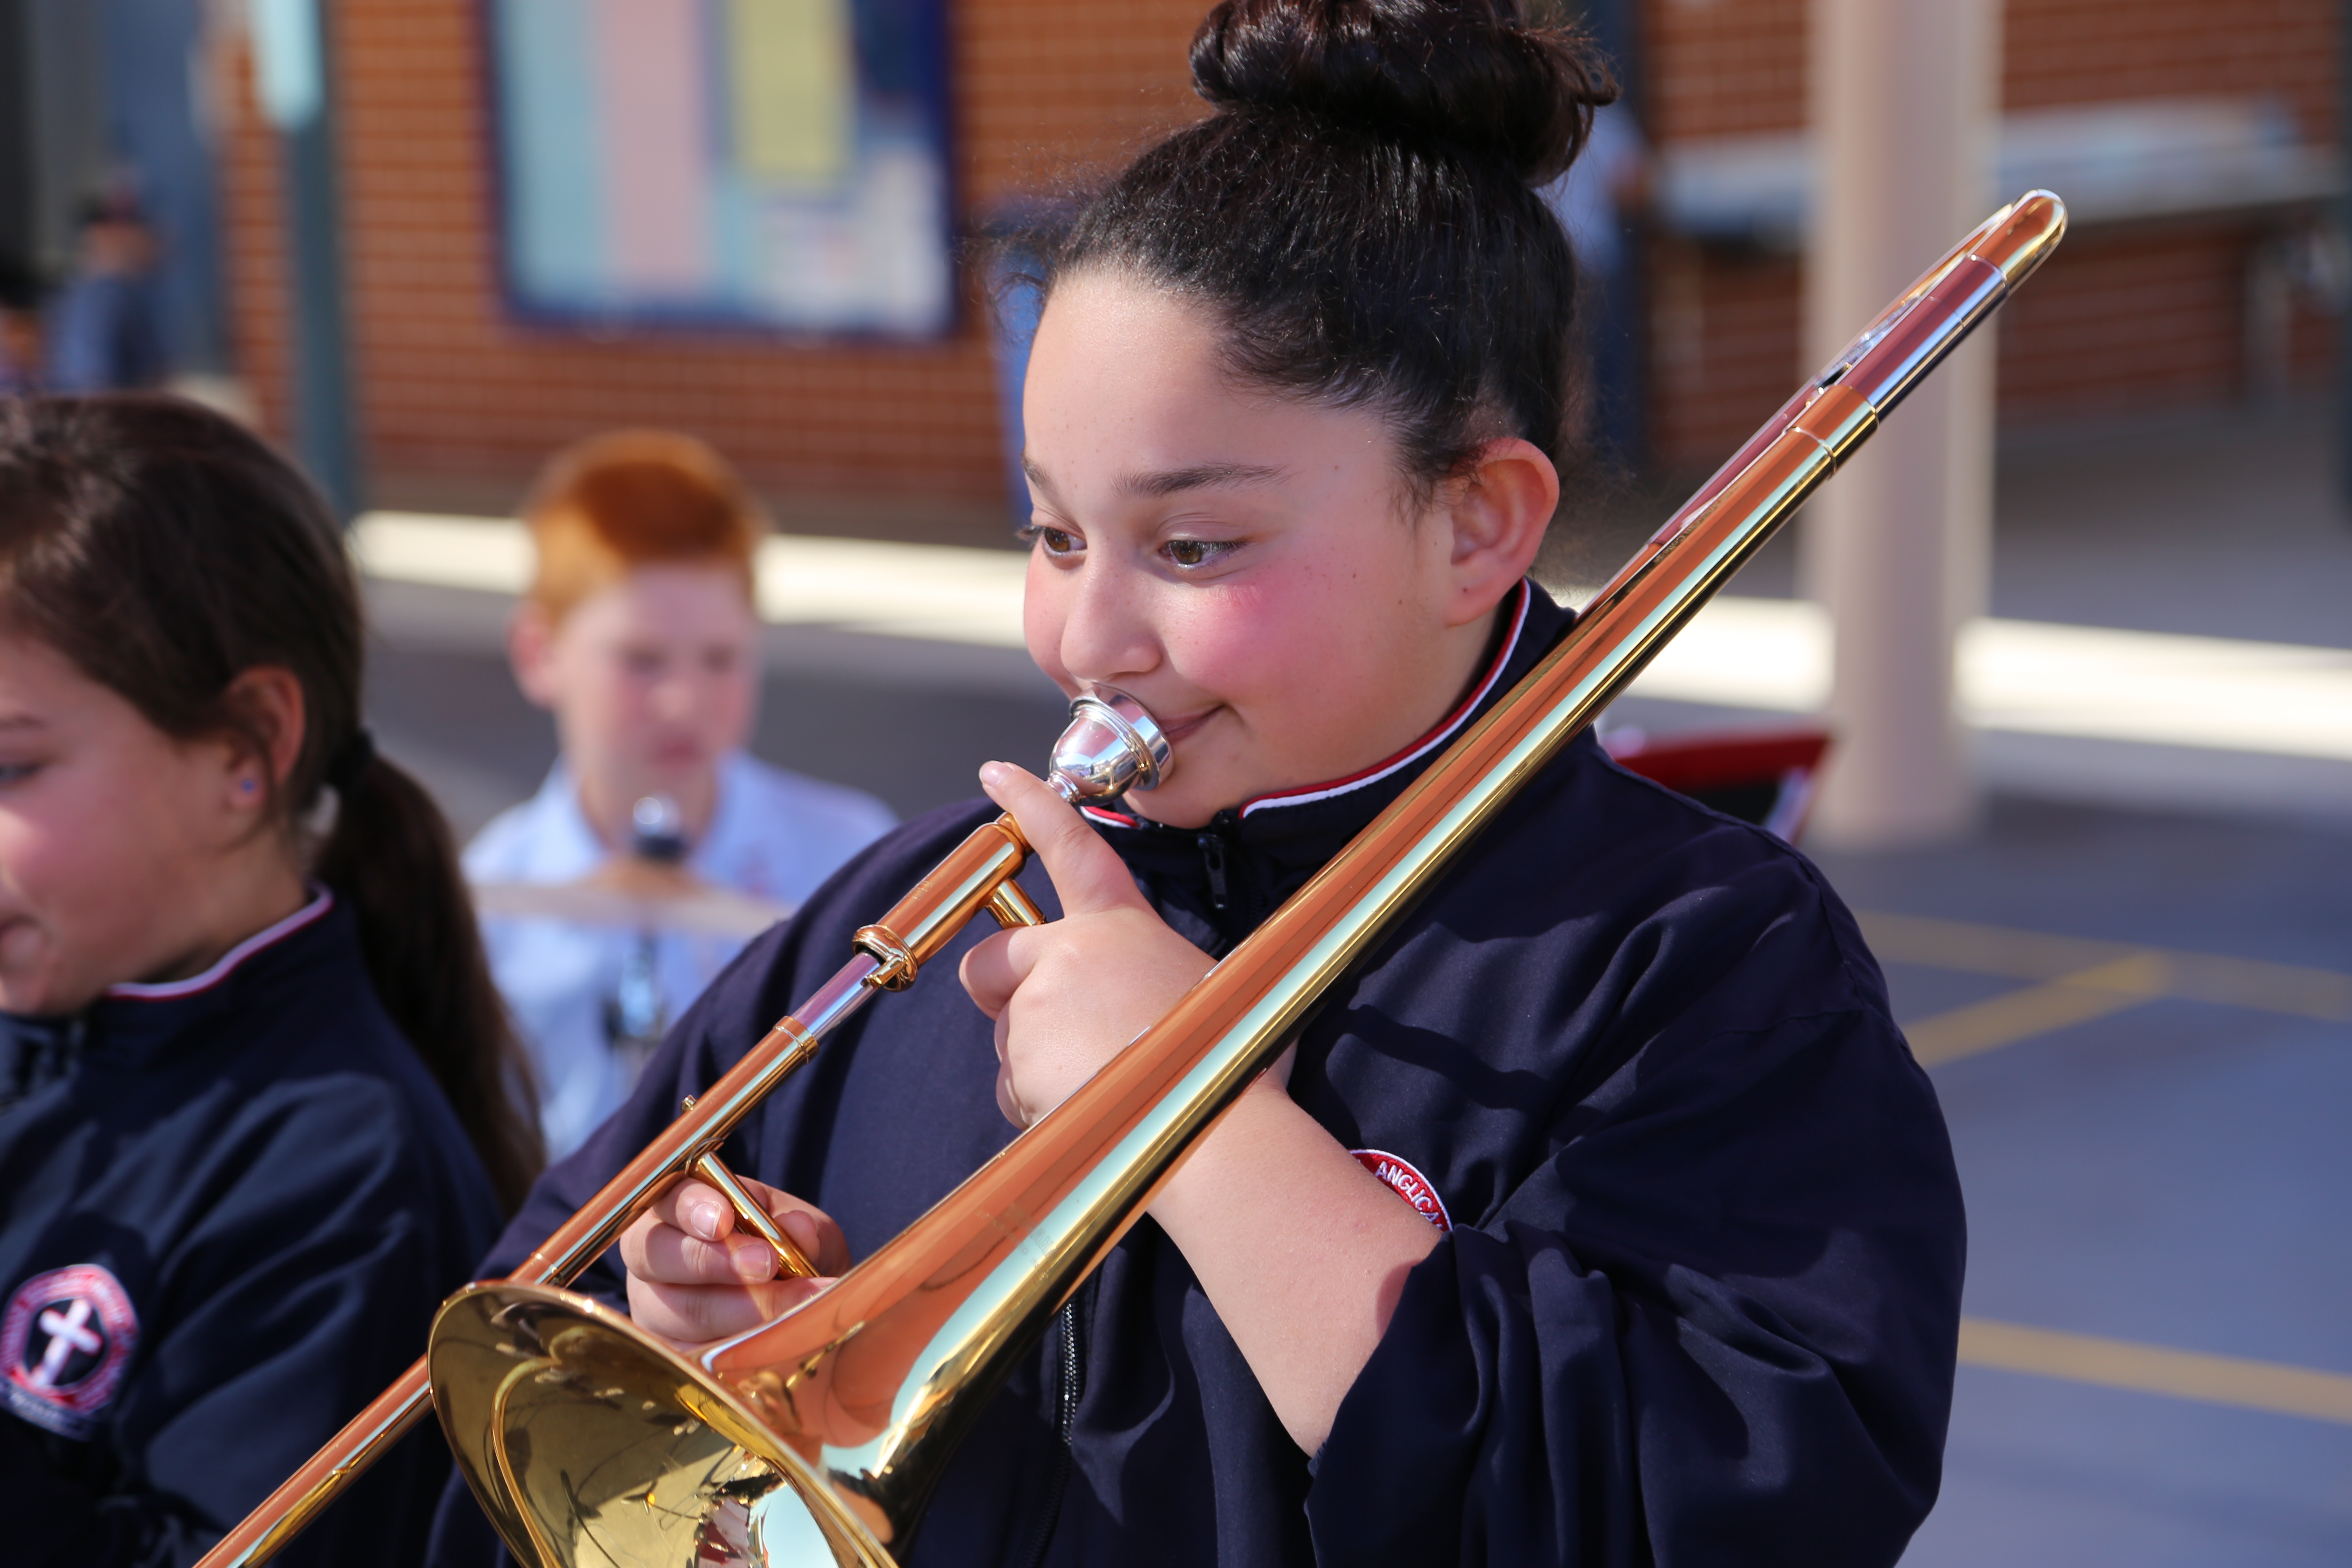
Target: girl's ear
<point>1499,511</point>
<point>531,649</point>
<point>270,696</point>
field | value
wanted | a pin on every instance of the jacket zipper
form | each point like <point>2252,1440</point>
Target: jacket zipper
<point>1213,855</point>
<point>1070,1387</point>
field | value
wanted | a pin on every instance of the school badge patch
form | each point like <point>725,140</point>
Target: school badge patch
<point>64,1339</point>
<point>1407,1183</point>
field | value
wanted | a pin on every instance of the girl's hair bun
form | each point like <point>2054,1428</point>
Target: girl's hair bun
<point>1468,73</point>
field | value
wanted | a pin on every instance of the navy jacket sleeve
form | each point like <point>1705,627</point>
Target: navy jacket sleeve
<point>1716,1321</point>
<point>309,1283</point>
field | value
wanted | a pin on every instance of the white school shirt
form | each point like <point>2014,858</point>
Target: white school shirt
<point>774,835</point>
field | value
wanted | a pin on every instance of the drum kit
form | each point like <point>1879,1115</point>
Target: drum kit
<point>630,894</point>
<point>648,891</point>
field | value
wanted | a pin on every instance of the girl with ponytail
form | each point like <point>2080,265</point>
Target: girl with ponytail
<point>259,1105</point>
<point>1601,1216</point>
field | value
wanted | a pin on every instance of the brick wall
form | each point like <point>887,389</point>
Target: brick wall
<point>1723,68</point>
<point>458,403</point>
<point>2118,322</point>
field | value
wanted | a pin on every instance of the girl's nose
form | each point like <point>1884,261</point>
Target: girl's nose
<point>1108,635</point>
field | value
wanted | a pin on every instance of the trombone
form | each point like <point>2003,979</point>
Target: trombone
<point>817,1439</point>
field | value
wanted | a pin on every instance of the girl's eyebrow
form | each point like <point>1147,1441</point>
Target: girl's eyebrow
<point>1037,476</point>
<point>1171,481</point>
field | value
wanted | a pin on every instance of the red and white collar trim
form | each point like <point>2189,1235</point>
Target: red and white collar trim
<point>1378,771</point>
<point>166,991</point>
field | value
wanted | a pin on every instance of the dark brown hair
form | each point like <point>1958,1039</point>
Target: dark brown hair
<point>1361,212</point>
<point>165,552</point>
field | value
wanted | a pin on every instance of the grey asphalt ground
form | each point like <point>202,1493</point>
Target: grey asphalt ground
<point>2171,1171</point>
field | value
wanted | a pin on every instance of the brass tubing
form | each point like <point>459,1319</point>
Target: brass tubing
<point>842,1412</point>
<point>1012,907</point>
<point>790,1258</point>
<point>663,1162</point>
<point>963,884</point>
<point>286,1513</point>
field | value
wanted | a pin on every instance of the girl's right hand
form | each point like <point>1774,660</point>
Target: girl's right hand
<point>696,1275</point>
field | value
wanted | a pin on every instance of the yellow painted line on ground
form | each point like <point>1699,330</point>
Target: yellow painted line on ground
<point>2235,1380</point>
<point>2083,979</point>
<point>2017,1016</point>
<point>1972,949</point>
<point>2320,994</point>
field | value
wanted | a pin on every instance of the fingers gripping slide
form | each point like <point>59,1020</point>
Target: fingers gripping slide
<point>1113,746</point>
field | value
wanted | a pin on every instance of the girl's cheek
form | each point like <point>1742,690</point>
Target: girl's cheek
<point>50,896</point>
<point>1244,645</point>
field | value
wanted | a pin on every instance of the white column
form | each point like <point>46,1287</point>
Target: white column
<point>1904,95</point>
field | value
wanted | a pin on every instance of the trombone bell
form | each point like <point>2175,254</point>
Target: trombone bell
<point>592,1444</point>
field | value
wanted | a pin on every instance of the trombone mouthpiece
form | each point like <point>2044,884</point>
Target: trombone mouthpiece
<point>1112,746</point>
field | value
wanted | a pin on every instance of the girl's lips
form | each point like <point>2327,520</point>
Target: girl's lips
<point>1180,728</point>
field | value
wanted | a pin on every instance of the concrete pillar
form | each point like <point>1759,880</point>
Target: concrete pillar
<point>1905,99</point>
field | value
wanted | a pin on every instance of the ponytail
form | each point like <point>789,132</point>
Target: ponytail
<point>391,858</point>
<point>165,552</point>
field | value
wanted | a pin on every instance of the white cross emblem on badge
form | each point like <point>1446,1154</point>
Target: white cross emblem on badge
<point>69,1332</point>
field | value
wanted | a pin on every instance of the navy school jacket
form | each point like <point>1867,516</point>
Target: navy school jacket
<point>228,1207</point>
<point>1698,1296</point>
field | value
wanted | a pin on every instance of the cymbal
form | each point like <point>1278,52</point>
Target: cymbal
<point>635,895</point>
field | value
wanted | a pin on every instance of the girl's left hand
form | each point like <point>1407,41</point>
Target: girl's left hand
<point>1069,996</point>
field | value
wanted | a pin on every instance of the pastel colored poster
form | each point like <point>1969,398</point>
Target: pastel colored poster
<point>724,163</point>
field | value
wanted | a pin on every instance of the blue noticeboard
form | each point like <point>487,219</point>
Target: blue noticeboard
<point>765,163</point>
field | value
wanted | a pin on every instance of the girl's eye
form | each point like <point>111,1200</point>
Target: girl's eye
<point>1057,541</point>
<point>1187,554</point>
<point>17,773</point>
